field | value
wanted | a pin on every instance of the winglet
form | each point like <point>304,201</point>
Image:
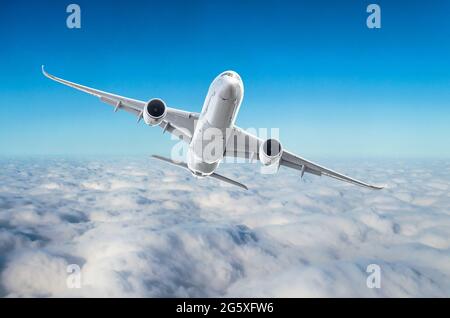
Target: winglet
<point>44,72</point>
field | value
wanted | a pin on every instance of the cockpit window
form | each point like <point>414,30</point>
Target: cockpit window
<point>231,74</point>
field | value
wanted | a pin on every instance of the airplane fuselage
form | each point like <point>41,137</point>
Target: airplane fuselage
<point>218,115</point>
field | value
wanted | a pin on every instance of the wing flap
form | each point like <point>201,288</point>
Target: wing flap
<point>300,167</point>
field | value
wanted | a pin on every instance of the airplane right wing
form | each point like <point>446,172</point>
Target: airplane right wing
<point>177,122</point>
<point>245,145</point>
<point>293,161</point>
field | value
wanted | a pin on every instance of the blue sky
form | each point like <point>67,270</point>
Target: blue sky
<point>312,68</point>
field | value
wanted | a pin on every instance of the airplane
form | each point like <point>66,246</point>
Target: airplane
<point>219,113</point>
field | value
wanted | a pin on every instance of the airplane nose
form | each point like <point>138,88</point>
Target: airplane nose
<point>229,90</point>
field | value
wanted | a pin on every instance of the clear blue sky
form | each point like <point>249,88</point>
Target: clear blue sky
<point>313,68</point>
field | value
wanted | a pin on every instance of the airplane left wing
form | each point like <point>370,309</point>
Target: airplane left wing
<point>245,145</point>
<point>177,122</point>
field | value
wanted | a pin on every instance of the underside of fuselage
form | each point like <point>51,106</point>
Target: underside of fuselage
<point>217,116</point>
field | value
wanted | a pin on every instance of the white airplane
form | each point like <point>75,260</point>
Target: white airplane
<point>219,113</point>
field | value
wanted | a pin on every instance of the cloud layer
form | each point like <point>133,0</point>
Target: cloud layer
<point>138,227</point>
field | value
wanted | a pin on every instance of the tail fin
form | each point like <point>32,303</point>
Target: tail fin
<point>213,175</point>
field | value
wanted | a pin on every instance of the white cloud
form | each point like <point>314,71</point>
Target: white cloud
<point>137,227</point>
<point>35,273</point>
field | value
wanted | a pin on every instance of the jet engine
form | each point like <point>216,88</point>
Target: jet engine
<point>270,152</point>
<point>154,112</point>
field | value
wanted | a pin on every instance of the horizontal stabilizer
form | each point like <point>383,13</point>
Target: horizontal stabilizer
<point>228,180</point>
<point>179,164</point>
<point>213,175</point>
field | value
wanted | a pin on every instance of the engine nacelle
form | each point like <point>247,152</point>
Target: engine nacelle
<point>270,152</point>
<point>154,112</point>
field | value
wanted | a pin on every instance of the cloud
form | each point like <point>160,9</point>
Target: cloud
<point>35,273</point>
<point>140,228</point>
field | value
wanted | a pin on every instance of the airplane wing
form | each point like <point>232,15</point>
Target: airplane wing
<point>245,145</point>
<point>177,122</point>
